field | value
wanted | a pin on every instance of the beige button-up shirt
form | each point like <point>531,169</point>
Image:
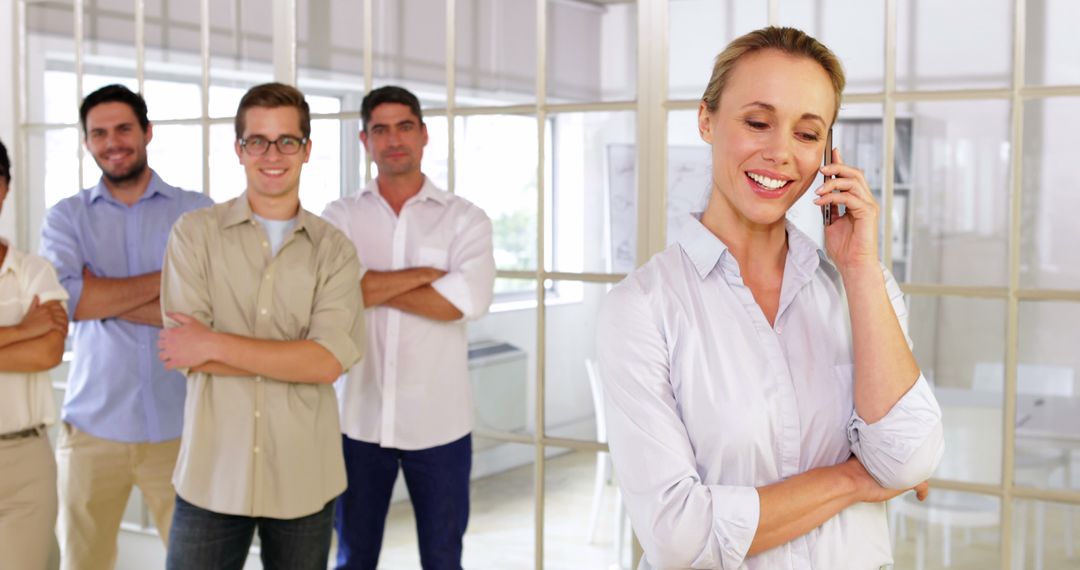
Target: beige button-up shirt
<point>256,446</point>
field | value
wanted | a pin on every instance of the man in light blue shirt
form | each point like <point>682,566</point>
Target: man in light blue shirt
<point>123,411</point>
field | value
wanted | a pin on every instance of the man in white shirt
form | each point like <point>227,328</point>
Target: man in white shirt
<point>33,325</point>
<point>408,405</point>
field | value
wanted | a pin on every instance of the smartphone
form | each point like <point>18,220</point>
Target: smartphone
<point>826,210</point>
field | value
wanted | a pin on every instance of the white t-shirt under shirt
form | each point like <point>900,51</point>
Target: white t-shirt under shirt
<point>276,230</point>
<point>26,398</point>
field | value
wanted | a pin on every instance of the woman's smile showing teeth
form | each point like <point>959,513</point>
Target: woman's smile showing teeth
<point>768,186</point>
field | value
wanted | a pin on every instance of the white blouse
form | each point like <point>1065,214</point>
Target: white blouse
<point>706,402</point>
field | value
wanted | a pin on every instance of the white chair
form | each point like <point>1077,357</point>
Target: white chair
<point>603,468</point>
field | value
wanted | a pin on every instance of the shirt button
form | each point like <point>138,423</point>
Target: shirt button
<point>263,311</point>
<point>265,244</point>
<point>267,277</point>
<point>258,378</point>
<point>256,449</point>
<point>257,413</point>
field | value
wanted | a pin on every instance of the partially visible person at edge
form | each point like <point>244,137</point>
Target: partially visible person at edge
<point>33,326</point>
<point>122,410</point>
<point>763,401</point>
<point>264,312</point>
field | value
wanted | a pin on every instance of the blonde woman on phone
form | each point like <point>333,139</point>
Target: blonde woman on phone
<point>763,401</point>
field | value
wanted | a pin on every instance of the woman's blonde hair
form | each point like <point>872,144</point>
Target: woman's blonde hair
<point>791,41</point>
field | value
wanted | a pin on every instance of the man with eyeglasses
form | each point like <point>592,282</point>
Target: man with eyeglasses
<point>408,407</point>
<point>263,313</point>
<point>122,410</point>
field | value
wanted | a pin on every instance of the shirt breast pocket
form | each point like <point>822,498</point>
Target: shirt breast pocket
<point>437,257</point>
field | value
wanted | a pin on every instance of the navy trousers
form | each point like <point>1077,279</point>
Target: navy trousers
<point>438,483</point>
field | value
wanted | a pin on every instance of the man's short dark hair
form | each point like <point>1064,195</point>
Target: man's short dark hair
<point>269,96</point>
<point>5,164</point>
<point>389,94</point>
<point>115,93</point>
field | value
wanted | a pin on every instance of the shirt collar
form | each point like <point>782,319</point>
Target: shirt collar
<point>701,245</point>
<point>429,191</point>
<point>238,211</point>
<point>705,249</point>
<point>155,187</point>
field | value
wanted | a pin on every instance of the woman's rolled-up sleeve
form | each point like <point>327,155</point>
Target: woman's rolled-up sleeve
<point>903,448</point>
<point>680,521</point>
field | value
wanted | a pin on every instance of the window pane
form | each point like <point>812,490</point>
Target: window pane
<point>1043,535</point>
<point>330,50</point>
<point>320,179</point>
<point>496,160</point>
<point>697,31</point>
<point>176,153</point>
<point>1048,402</point>
<point>959,343</point>
<point>410,47</point>
<point>172,99</point>
<point>1051,29</point>
<point>502,364</point>
<point>240,50</point>
<point>109,44</point>
<point>941,46</point>
<point>496,52</point>
<point>52,174</point>
<point>1049,232</point>
<point>227,179</point>
<point>173,59</point>
<point>58,173</point>
<point>436,162</point>
<point>960,189</point>
<point>593,170</point>
<point>831,22</point>
<point>585,525</point>
<point>591,51</point>
<point>572,402</point>
<point>50,91</point>
<point>949,529</point>
<point>689,171</point>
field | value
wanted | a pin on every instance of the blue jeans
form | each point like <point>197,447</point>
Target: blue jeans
<point>438,482</point>
<point>202,539</point>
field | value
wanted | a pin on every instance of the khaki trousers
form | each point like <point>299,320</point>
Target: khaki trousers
<point>27,502</point>
<point>95,481</point>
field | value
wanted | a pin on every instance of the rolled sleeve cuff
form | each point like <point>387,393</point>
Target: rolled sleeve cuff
<point>904,447</point>
<point>454,288</point>
<point>74,289</point>
<point>736,511</point>
<point>342,347</point>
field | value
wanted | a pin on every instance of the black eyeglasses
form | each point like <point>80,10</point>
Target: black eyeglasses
<point>285,145</point>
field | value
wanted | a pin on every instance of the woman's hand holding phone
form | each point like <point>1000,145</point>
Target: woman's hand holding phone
<point>851,239</point>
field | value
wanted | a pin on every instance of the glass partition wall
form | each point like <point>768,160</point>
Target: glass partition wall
<point>572,123</point>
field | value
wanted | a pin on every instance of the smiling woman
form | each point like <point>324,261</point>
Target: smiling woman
<point>763,400</point>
